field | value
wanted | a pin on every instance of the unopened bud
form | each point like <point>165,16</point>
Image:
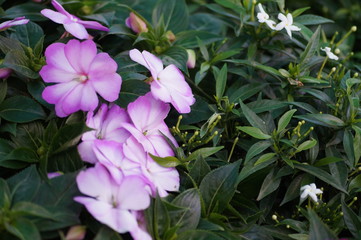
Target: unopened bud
<point>5,72</point>
<point>337,51</point>
<point>274,217</point>
<point>191,62</point>
<point>170,36</point>
<point>354,29</point>
<point>76,233</point>
<point>136,23</point>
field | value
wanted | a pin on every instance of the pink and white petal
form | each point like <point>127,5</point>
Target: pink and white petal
<point>96,182</point>
<point>54,16</point>
<point>134,151</point>
<point>119,220</point>
<point>77,30</point>
<point>109,152</point>
<point>102,64</point>
<point>167,180</point>
<point>88,51</point>
<point>89,99</point>
<point>55,56</point>
<point>182,103</point>
<point>71,101</point>
<point>139,136</point>
<point>138,57</point>
<point>86,152</point>
<point>173,78</point>
<point>160,92</point>
<point>73,54</point>
<point>132,194</point>
<point>53,94</point>
<point>140,234</point>
<point>93,25</point>
<point>52,74</point>
<point>59,7</point>
<point>154,63</point>
<point>162,148</point>
<point>108,86</point>
<point>146,112</point>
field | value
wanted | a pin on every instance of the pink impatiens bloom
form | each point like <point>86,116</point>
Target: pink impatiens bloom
<point>160,179</point>
<point>110,202</point>
<point>168,84</point>
<point>136,23</point>
<point>17,21</point>
<point>80,73</point>
<point>72,24</point>
<point>147,116</point>
<point>107,124</point>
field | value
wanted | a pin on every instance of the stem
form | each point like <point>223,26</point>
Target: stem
<point>234,144</point>
<point>323,65</point>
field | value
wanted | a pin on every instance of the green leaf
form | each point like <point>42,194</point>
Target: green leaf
<point>326,120</point>
<point>199,169</point>
<point>299,11</point>
<point>28,208</point>
<point>174,12</point>
<point>267,69</point>
<point>285,120</point>
<point>198,235</point>
<point>322,175</point>
<point>29,34</point>
<point>29,10</point>
<point>23,229</point>
<point>188,39</point>
<point>352,220</point>
<point>250,168</point>
<point>5,196</point>
<point>311,48</point>
<point>269,185</point>
<point>318,229</point>
<point>256,149</point>
<point>3,90</point>
<point>36,89</point>
<point>264,158</point>
<point>21,109</point>
<point>107,233</point>
<point>221,81</point>
<point>355,183</point>
<point>23,154</point>
<point>293,190</point>
<point>252,118</point>
<point>327,160</point>
<point>306,145</point>
<point>217,187</point>
<point>19,62</point>
<point>177,56</point>
<point>254,132</point>
<point>131,90</point>
<point>224,55</point>
<point>7,45</point>
<point>203,152</point>
<point>246,91</point>
<point>189,219</point>
<point>167,162</point>
<point>348,146</point>
<point>310,19</point>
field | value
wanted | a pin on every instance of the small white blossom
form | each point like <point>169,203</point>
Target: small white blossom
<point>286,23</point>
<point>330,54</point>
<point>263,17</point>
<point>311,191</point>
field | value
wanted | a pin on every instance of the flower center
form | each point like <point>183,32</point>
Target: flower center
<point>82,78</point>
<point>74,19</point>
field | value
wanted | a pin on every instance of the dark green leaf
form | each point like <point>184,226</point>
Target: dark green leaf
<point>107,233</point>
<point>254,132</point>
<point>29,10</point>
<point>22,154</point>
<point>318,229</point>
<point>23,229</point>
<point>310,19</point>
<point>188,39</point>
<point>221,81</point>
<point>253,119</point>
<point>352,220</point>
<point>198,235</point>
<point>285,120</point>
<point>3,90</point>
<point>203,152</point>
<point>269,185</point>
<point>256,149</point>
<point>177,56</point>
<point>218,186</point>
<point>5,195</point>
<point>21,109</point>
<point>167,162</point>
<point>199,169</point>
<point>311,48</point>
<point>326,120</point>
<point>28,208</point>
<point>246,91</point>
<point>19,62</point>
<point>29,34</point>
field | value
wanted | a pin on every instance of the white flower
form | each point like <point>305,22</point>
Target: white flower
<point>329,54</point>
<point>286,23</point>
<point>263,17</point>
<point>311,191</point>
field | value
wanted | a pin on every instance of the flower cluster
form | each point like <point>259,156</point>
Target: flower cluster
<point>286,21</point>
<point>121,142</point>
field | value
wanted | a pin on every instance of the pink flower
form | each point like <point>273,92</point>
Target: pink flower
<point>17,21</point>
<point>160,179</point>
<point>191,62</point>
<point>80,73</point>
<point>110,202</point>
<point>107,125</point>
<point>136,23</point>
<point>168,84</point>
<point>147,116</point>
<point>5,72</point>
<point>72,24</point>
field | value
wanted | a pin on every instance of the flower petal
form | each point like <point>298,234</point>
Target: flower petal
<point>80,55</point>
<point>55,56</point>
<point>52,94</point>
<point>76,29</point>
<point>54,16</point>
<point>132,194</point>
<point>93,25</point>
<point>51,74</point>
<point>59,7</point>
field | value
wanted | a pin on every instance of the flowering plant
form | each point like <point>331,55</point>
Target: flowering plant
<point>178,120</point>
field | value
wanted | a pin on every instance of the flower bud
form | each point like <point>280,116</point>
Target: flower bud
<point>170,36</point>
<point>136,23</point>
<point>191,62</point>
<point>354,29</point>
<point>76,233</point>
<point>5,72</point>
<point>337,51</point>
